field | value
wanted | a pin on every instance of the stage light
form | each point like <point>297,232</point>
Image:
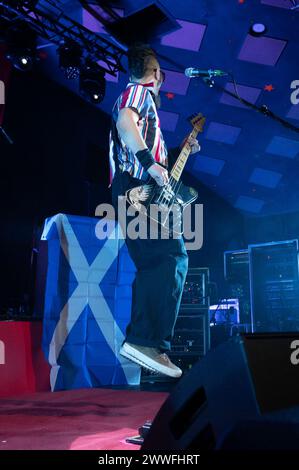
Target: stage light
<point>21,46</point>
<point>70,55</point>
<point>21,62</point>
<point>257,29</point>
<point>92,84</point>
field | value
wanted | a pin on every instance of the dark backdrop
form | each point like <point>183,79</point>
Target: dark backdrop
<point>58,163</point>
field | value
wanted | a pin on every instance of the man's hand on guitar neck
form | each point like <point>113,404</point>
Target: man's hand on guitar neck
<point>159,174</point>
<point>193,144</point>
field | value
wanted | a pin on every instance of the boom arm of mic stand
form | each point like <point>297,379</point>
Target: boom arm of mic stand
<point>263,109</point>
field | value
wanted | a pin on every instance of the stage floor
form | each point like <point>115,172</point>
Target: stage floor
<point>88,419</point>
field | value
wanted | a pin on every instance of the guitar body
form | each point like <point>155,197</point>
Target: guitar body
<point>164,205</point>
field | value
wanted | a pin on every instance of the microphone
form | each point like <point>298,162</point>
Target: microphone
<point>193,72</point>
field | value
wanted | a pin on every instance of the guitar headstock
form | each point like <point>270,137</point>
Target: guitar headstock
<point>197,121</point>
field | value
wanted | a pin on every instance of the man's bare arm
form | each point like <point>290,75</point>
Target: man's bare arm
<point>128,130</point>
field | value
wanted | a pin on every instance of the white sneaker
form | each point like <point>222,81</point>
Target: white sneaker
<point>150,358</point>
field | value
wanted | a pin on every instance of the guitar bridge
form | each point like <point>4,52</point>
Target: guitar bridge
<point>166,196</point>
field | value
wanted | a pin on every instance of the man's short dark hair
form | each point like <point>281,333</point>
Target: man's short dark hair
<point>140,56</point>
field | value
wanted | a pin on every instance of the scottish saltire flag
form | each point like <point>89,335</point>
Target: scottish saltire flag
<point>87,303</point>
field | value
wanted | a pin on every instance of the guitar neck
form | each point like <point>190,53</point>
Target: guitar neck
<point>181,161</point>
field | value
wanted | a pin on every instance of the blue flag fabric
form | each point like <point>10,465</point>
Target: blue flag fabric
<point>87,303</point>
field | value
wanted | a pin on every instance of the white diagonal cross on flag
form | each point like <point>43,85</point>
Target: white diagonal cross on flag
<point>85,274</point>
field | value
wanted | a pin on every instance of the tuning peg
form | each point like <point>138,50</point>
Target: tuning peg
<point>192,116</point>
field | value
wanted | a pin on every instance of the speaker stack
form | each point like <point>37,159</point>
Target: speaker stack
<point>242,395</point>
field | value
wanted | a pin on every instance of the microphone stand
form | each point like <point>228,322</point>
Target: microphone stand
<point>10,141</point>
<point>263,109</point>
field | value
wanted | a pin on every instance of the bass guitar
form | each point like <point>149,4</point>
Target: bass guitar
<point>165,204</point>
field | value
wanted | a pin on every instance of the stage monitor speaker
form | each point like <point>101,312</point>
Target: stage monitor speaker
<point>263,434</point>
<point>239,380</point>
